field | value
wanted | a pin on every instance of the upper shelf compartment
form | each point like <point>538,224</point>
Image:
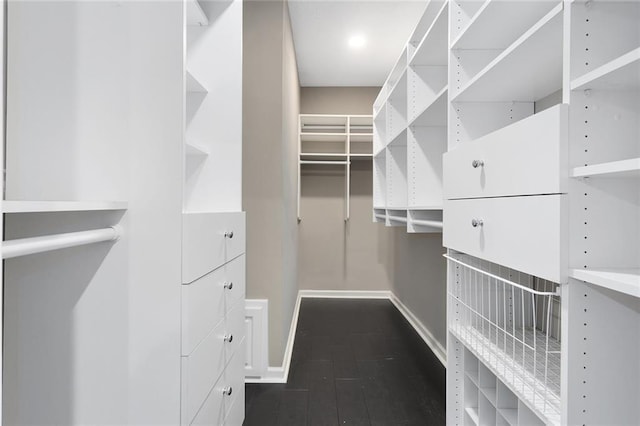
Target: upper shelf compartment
<point>432,50</point>
<point>528,70</point>
<point>497,23</point>
<point>195,14</point>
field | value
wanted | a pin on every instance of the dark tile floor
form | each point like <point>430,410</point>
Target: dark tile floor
<point>355,362</point>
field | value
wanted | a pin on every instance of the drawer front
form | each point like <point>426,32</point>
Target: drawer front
<point>202,308</point>
<point>235,289</point>
<point>234,378</point>
<point>234,327</point>
<point>526,158</point>
<point>235,416</point>
<point>209,240</point>
<point>522,233</point>
<point>212,411</point>
<point>200,371</point>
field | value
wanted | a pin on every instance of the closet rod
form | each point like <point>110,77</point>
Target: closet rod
<point>25,246</point>
<point>324,162</point>
<point>432,223</point>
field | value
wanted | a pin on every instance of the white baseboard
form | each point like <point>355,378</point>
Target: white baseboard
<point>435,346</point>
<point>280,374</point>
<point>345,294</point>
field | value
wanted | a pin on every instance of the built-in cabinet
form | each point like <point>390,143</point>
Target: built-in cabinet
<point>541,210</point>
<point>124,240</point>
<point>328,142</point>
<point>410,133</point>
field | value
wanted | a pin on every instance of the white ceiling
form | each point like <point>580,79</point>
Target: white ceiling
<point>322,28</point>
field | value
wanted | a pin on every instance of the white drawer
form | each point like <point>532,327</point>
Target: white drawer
<point>522,233</point>
<point>205,301</point>
<point>234,327</point>
<point>200,371</point>
<point>526,158</point>
<point>234,378</point>
<point>236,282</point>
<point>220,405</point>
<point>209,240</point>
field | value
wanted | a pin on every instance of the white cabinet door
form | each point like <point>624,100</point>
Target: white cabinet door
<point>526,158</point>
<point>523,233</point>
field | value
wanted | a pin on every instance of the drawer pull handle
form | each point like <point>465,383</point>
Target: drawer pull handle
<point>228,338</point>
<point>477,222</point>
<point>477,163</point>
<point>228,234</point>
<point>227,391</point>
<point>228,285</point>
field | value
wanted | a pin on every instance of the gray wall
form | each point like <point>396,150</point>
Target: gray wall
<point>361,255</point>
<point>270,109</point>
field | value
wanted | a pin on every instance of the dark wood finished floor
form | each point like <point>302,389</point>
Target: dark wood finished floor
<point>355,362</point>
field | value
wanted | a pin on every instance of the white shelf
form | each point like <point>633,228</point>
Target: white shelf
<point>60,206</point>
<point>400,139</point>
<point>432,50</point>
<point>195,14</point>
<point>323,137</point>
<point>490,393</point>
<point>622,280</point>
<point>489,27</point>
<point>616,169</point>
<point>473,376</point>
<point>530,69</point>
<point>473,414</point>
<point>622,73</point>
<point>195,149</point>
<point>193,85</point>
<point>435,113</point>
<point>427,208</point>
<point>510,415</point>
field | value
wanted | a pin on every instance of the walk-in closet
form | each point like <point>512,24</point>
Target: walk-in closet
<point>314,212</point>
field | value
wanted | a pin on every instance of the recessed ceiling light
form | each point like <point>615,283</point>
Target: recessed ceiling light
<point>357,41</point>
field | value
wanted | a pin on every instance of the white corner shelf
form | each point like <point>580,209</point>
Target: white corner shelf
<point>616,169</point>
<point>194,149</point>
<point>622,73</point>
<point>9,206</point>
<point>432,50</point>
<point>489,27</point>
<point>625,281</point>
<point>195,14</point>
<point>193,85</point>
<point>435,113</point>
<point>528,70</point>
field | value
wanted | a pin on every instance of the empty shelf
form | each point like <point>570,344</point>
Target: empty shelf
<point>435,113</point>
<point>195,14</point>
<point>510,415</point>
<point>60,206</point>
<point>472,412</point>
<point>193,85</point>
<point>622,73</point>
<point>433,48</point>
<point>323,137</point>
<point>623,280</point>
<point>528,70</point>
<point>615,169</point>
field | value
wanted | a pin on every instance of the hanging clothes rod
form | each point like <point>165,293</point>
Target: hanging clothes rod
<point>324,162</point>
<point>432,223</point>
<point>26,246</point>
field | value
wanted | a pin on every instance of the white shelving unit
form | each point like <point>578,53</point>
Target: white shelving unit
<point>537,306</point>
<point>327,142</point>
<point>410,119</point>
<point>123,165</point>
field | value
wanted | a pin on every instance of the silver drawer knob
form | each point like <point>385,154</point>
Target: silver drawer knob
<point>227,391</point>
<point>228,234</point>
<point>228,338</point>
<point>228,285</point>
<point>477,222</point>
<point>477,163</point>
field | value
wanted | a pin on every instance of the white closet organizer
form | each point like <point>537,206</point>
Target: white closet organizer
<point>130,131</point>
<point>329,141</point>
<point>213,228</point>
<point>542,213</point>
<point>410,118</point>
